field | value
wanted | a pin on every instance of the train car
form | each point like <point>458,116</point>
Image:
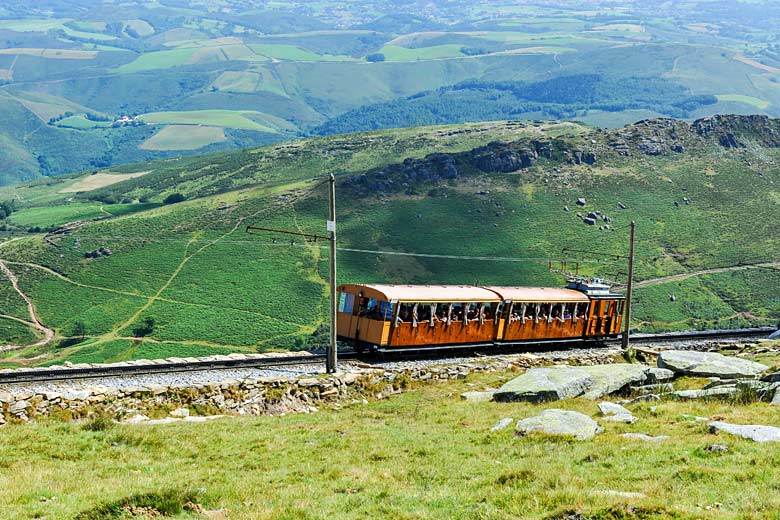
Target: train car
<point>396,317</point>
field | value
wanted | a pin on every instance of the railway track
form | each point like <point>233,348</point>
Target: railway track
<point>147,367</point>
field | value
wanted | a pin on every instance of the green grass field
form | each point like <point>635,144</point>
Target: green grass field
<point>748,100</point>
<point>184,137</point>
<point>220,118</point>
<point>80,122</point>
<point>422,454</point>
<point>395,53</point>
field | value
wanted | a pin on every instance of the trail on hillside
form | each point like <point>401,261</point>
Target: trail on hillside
<point>694,274</point>
<point>36,323</point>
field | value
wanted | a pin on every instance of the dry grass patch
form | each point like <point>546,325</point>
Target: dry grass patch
<point>100,180</point>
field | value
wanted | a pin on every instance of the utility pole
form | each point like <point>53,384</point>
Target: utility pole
<point>629,289</point>
<point>331,363</point>
<point>331,359</point>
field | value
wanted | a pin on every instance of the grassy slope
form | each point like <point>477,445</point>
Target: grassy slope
<point>192,268</point>
<point>423,454</point>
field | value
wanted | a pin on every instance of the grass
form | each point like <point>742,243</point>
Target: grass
<point>184,137</point>
<point>46,217</point>
<point>395,53</point>
<point>425,453</point>
<point>221,118</point>
<point>80,122</point>
<point>748,100</point>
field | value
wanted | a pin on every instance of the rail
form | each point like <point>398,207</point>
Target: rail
<point>174,365</point>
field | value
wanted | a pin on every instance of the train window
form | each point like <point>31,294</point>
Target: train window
<point>457,312</point>
<point>346,302</point>
<point>385,311</point>
<point>405,312</point>
<point>368,307</point>
<point>568,311</point>
<point>621,307</point>
<point>609,307</point>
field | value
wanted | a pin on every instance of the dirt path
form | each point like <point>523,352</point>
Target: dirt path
<point>36,323</point>
<point>694,274</point>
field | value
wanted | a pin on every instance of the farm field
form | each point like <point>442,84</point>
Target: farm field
<point>184,137</point>
<point>220,118</point>
<point>422,453</point>
<point>193,270</point>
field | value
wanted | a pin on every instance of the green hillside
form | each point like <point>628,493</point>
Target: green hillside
<point>146,278</point>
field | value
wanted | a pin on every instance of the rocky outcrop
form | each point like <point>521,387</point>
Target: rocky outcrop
<point>706,364</point>
<point>608,379</point>
<point>559,422</point>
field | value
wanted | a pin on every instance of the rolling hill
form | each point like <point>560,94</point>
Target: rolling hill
<point>152,260</point>
<point>89,85</point>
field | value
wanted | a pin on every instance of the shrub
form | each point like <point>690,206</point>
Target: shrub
<point>173,198</point>
<point>376,57</point>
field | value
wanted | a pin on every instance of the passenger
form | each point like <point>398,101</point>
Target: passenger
<point>556,314</point>
<point>487,315</point>
<point>403,316</point>
<point>567,314</point>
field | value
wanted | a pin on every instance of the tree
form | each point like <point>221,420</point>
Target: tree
<point>145,328</point>
<point>79,330</point>
<point>376,57</point>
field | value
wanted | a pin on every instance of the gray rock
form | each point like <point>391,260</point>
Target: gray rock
<point>705,364</point>
<point>611,378</point>
<point>625,418</point>
<point>503,423</point>
<point>559,422</point>
<point>644,437</point>
<point>658,375</point>
<point>19,407</point>
<point>776,398</point>
<point>477,397</point>
<point>753,432</point>
<point>546,384</point>
<point>180,412</point>
<point>717,448</point>
<point>607,408</point>
<point>721,391</point>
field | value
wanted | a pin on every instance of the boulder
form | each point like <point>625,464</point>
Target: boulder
<point>607,408</point>
<point>611,378</point>
<point>704,364</point>
<point>644,437</point>
<point>477,397</point>
<point>180,412</point>
<point>776,398</point>
<point>625,418</point>
<point>717,448</point>
<point>658,388</point>
<point>546,384</point>
<point>559,422</point>
<point>503,423</point>
<point>753,432</point>
<point>19,407</point>
<point>658,375</point>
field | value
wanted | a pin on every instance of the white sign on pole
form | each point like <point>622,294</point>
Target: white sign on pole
<point>331,226</point>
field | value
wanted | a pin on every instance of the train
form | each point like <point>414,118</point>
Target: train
<point>392,318</point>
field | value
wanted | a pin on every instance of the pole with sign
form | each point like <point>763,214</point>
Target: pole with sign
<point>332,358</point>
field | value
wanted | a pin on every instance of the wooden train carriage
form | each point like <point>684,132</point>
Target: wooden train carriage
<point>542,313</point>
<point>398,316</point>
<point>405,316</point>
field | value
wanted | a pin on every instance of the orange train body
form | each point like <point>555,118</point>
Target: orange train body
<point>387,317</point>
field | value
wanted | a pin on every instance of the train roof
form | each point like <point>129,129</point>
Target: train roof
<point>423,293</point>
<point>539,294</point>
<point>464,293</point>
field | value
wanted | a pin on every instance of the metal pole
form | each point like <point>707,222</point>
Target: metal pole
<point>629,289</point>
<point>332,357</point>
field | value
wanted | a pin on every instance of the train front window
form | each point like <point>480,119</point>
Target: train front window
<point>346,302</point>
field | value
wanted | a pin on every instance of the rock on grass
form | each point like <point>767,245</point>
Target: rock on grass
<point>559,422</point>
<point>753,432</point>
<point>705,364</point>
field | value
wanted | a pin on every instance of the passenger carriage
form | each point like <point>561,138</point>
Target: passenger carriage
<point>393,317</point>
